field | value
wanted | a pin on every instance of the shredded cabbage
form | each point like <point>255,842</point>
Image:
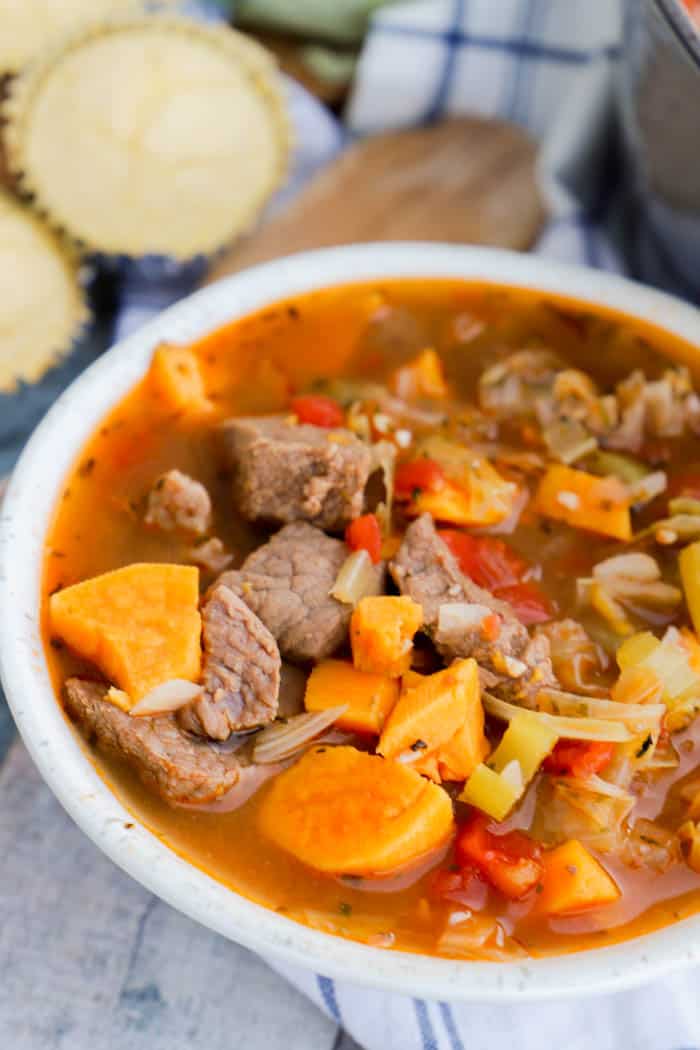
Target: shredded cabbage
<point>570,728</point>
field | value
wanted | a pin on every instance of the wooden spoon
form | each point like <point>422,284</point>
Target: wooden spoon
<point>463,180</point>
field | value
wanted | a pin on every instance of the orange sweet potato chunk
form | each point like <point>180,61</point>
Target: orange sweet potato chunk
<point>574,881</point>
<point>381,634</point>
<point>176,379</point>
<point>459,757</point>
<point>369,697</point>
<point>140,625</point>
<point>429,714</point>
<point>342,810</point>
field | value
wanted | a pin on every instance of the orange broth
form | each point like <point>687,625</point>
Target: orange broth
<point>252,366</point>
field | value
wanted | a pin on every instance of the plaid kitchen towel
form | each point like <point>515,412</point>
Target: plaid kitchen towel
<point>549,66</point>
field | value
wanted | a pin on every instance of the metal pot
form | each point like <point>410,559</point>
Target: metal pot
<point>659,106</point>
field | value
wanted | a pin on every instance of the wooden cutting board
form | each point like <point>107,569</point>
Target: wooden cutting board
<point>463,180</point>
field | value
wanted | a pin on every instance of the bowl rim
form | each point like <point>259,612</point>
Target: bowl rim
<point>29,504</point>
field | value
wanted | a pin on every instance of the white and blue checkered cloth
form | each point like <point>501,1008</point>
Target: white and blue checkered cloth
<point>547,65</point>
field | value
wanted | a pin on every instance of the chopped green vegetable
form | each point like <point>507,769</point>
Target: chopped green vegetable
<point>571,728</point>
<point>488,791</point>
<point>625,468</point>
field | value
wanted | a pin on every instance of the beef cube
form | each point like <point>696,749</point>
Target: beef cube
<point>287,583</point>
<point>177,501</point>
<point>285,472</point>
<point>240,670</point>
<point>426,570</point>
<point>180,768</point>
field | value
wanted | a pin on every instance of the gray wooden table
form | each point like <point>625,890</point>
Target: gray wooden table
<point>89,960</point>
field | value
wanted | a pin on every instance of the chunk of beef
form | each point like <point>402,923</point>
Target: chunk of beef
<point>427,571</point>
<point>286,472</point>
<point>240,670</point>
<point>177,501</point>
<point>287,581</point>
<point>179,768</point>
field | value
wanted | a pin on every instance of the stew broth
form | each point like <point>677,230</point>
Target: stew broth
<point>251,366</point>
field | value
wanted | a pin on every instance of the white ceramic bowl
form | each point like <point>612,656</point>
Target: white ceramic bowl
<point>28,507</point>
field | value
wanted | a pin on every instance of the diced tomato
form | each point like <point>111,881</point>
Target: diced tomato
<point>364,534</point>
<point>417,475</point>
<point>579,758</point>
<point>494,565</point>
<point>318,409</point>
<point>530,604</point>
<point>486,560</point>
<point>511,862</point>
<point>491,627</point>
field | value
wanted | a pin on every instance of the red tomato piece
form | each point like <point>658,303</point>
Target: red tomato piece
<point>486,560</point>
<point>365,534</point>
<point>318,409</point>
<point>417,475</point>
<point>578,758</point>
<point>511,863</point>
<point>530,604</point>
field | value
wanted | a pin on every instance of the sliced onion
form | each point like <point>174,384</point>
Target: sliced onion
<point>509,524</point>
<point>512,773</point>
<point>167,697</point>
<point>358,578</point>
<point>634,566</point>
<point>647,488</point>
<point>454,617</point>
<point>283,739</point>
<point>656,593</point>
<point>251,779</point>
<point>395,406</point>
<point>684,505</point>
<point>569,728</point>
<point>598,786</point>
<point>568,440</point>
<point>384,459</point>
<point>683,527</point>
<point>636,717</point>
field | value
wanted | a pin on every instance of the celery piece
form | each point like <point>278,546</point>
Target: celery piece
<point>635,649</point>
<point>611,611</point>
<point>528,741</point>
<point>667,659</point>
<point>489,792</point>
<point>623,467</point>
<point>689,562</point>
<point>670,662</point>
<point>497,786</point>
<point>684,505</point>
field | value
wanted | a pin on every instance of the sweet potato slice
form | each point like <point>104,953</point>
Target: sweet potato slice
<point>381,633</point>
<point>341,810</point>
<point>459,757</point>
<point>176,379</point>
<point>574,881</point>
<point>584,501</point>
<point>428,715</point>
<point>140,625</point>
<point>369,697</point>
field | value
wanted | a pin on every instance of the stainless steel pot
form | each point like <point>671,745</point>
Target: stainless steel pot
<point>659,105</point>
